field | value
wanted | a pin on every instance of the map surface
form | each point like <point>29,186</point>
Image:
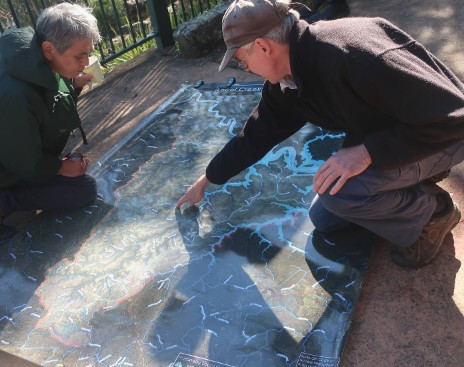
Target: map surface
<point>241,280</point>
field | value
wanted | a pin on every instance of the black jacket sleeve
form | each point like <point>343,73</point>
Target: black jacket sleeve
<point>424,97</point>
<point>269,124</point>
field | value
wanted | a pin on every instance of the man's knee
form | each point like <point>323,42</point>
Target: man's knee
<point>323,219</point>
<point>340,205</point>
<point>88,190</point>
<point>82,190</point>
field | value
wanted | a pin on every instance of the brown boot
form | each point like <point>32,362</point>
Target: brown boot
<point>424,250</point>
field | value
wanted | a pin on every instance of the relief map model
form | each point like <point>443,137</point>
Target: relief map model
<point>242,279</point>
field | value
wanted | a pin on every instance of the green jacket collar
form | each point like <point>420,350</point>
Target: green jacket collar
<point>22,58</point>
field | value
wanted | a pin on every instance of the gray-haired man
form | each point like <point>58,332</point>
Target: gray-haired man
<point>40,76</point>
<point>402,111</point>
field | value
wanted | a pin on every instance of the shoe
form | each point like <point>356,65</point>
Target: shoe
<point>426,248</point>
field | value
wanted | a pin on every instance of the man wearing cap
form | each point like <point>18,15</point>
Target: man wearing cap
<point>401,109</point>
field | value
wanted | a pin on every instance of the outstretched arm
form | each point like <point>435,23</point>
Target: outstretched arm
<point>270,123</point>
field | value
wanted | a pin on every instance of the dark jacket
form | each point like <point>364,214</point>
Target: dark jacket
<point>37,111</point>
<point>360,76</point>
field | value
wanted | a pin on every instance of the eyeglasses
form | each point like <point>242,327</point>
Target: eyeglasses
<point>248,48</point>
<point>242,63</point>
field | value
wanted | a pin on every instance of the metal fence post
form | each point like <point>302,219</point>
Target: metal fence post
<point>159,17</point>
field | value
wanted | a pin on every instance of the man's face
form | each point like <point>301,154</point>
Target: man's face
<point>72,61</point>
<point>262,60</point>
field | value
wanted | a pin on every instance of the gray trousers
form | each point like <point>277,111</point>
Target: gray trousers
<point>391,203</point>
<point>61,193</point>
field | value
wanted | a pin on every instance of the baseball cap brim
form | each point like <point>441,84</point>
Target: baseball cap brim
<point>227,56</point>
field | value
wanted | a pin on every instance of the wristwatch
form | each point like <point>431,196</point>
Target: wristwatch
<point>75,156</point>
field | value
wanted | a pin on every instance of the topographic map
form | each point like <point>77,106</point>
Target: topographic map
<point>240,280</point>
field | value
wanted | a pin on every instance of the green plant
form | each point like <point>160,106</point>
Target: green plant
<point>133,35</point>
<point>179,12</point>
<point>108,16</point>
<point>129,55</point>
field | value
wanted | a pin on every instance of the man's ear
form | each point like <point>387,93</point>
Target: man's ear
<point>48,50</point>
<point>264,45</point>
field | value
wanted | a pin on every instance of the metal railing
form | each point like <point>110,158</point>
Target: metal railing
<point>184,10</point>
<point>124,24</point>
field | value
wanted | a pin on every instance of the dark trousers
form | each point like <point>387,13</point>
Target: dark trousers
<point>392,203</point>
<point>62,193</point>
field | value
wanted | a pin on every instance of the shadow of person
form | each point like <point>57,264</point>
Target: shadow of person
<point>216,308</point>
<point>244,243</point>
<point>338,262</point>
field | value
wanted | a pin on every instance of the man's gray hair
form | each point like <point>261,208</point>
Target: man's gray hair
<point>280,33</point>
<point>61,24</point>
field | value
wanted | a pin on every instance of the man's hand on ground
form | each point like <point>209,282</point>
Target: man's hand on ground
<point>195,193</point>
<point>346,163</point>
